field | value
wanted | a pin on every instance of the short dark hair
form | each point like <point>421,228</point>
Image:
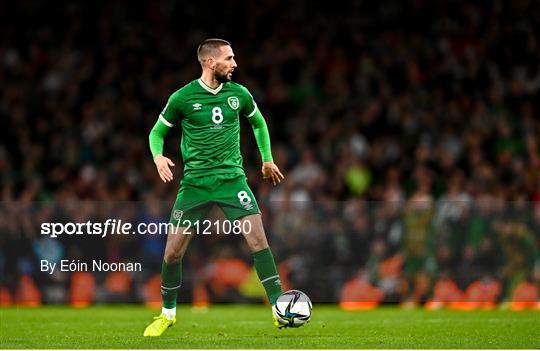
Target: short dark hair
<point>209,46</point>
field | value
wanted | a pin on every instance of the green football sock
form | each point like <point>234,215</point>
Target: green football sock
<point>171,279</point>
<point>267,272</point>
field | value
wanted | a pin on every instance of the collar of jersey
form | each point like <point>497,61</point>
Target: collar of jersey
<point>207,88</point>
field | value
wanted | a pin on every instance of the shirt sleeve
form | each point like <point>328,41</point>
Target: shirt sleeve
<point>249,106</point>
<point>172,112</point>
<point>170,115</point>
<point>156,138</point>
<point>262,137</point>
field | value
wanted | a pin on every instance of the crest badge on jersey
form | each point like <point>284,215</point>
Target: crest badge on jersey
<point>233,102</point>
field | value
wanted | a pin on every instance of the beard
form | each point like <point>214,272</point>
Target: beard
<point>222,77</point>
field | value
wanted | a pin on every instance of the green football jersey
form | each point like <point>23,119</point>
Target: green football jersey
<point>210,121</point>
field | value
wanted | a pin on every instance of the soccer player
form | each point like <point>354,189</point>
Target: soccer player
<point>209,110</point>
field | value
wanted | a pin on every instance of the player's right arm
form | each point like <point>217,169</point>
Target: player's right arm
<point>170,114</point>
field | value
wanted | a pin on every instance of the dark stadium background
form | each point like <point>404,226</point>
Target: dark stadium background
<point>408,131</point>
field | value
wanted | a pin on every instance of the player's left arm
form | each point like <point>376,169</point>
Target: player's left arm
<point>270,170</point>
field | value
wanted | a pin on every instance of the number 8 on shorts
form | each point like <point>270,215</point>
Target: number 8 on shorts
<point>245,200</point>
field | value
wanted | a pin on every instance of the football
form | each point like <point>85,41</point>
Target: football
<point>293,308</point>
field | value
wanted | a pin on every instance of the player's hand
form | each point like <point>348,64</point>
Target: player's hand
<point>271,173</point>
<point>162,165</point>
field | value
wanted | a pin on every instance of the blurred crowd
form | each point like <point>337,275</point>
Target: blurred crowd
<point>408,132</point>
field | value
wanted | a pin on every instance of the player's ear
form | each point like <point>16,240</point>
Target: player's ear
<point>211,63</point>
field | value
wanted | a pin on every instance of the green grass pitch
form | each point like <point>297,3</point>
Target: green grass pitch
<point>236,327</point>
